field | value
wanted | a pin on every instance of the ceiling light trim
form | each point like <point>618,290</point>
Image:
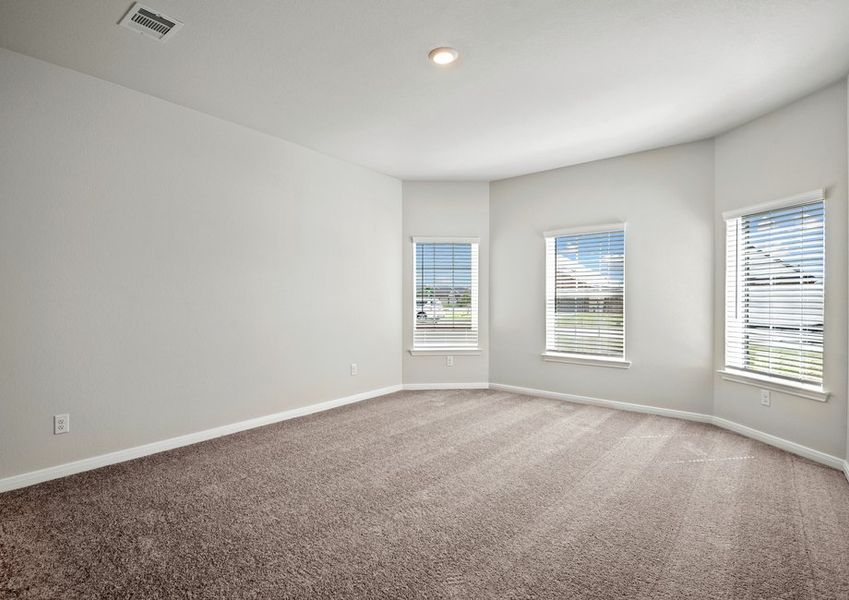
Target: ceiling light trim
<point>443,56</point>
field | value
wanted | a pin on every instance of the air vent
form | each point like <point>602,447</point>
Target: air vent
<point>147,21</point>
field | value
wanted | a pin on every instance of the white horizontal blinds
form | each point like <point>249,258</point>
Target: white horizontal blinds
<point>446,295</point>
<point>775,263</point>
<point>585,284</point>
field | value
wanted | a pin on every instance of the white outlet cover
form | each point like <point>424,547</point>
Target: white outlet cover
<point>61,424</point>
<point>449,360</point>
<point>765,398</point>
<point>354,369</point>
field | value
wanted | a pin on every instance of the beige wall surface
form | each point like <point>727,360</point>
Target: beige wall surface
<point>446,209</point>
<point>795,149</point>
<point>665,197</point>
<point>164,272</point>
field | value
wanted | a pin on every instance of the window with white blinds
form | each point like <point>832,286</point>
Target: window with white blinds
<point>445,309</point>
<point>585,292</point>
<point>774,287</point>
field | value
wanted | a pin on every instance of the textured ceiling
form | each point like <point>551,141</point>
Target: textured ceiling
<point>540,83</point>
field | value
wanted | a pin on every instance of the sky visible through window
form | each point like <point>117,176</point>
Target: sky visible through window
<point>769,234</point>
<point>444,265</point>
<point>783,259</point>
<point>594,261</point>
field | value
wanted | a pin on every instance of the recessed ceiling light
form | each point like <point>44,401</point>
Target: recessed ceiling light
<point>443,56</point>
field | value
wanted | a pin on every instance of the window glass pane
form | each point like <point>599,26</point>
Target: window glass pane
<point>775,278</point>
<point>445,312</point>
<point>585,294</point>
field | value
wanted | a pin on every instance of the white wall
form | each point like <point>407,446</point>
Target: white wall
<point>449,209</point>
<point>164,272</point>
<point>665,197</point>
<point>794,149</point>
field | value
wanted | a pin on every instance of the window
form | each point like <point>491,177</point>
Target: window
<point>585,300</point>
<point>774,286</point>
<point>445,310</point>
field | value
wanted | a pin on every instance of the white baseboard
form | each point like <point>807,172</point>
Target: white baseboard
<point>767,438</point>
<point>446,386</point>
<point>774,440</point>
<point>641,408</point>
<point>95,462</point>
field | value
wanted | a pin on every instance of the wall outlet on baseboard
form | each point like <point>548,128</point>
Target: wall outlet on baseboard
<point>61,424</point>
<point>354,369</point>
<point>449,361</point>
<point>765,399</point>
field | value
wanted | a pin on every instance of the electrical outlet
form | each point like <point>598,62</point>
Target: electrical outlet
<point>61,424</point>
<point>765,397</point>
<point>354,369</point>
<point>449,361</point>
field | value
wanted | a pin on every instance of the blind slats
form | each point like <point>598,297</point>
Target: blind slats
<point>445,311</point>
<point>585,293</point>
<point>775,292</point>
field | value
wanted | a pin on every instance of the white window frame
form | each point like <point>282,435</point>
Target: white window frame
<point>763,381</point>
<point>475,300</point>
<point>584,359</point>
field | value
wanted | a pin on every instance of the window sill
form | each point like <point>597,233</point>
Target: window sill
<point>802,390</point>
<point>593,361</point>
<point>445,352</point>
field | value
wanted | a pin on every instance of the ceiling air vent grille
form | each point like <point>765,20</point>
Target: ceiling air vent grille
<point>147,21</point>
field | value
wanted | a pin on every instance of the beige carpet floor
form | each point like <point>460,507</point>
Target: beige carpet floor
<point>448,494</point>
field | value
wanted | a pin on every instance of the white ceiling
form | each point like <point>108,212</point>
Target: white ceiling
<point>540,83</point>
